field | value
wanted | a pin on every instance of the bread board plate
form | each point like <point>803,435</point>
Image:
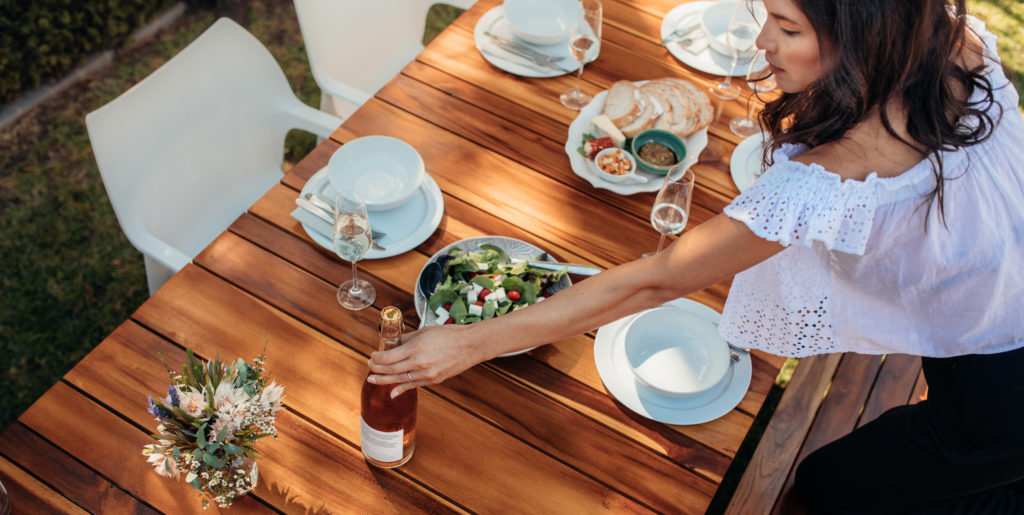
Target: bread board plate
<point>585,168</point>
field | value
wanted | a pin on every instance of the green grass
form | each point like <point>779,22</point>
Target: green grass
<point>69,277</point>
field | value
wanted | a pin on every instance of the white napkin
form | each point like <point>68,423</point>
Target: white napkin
<point>314,222</point>
<point>321,226</point>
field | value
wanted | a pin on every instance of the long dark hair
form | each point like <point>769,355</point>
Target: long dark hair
<point>884,51</point>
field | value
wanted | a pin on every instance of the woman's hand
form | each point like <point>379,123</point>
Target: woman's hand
<point>427,356</point>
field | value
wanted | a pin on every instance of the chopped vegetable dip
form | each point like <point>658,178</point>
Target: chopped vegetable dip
<point>657,154</point>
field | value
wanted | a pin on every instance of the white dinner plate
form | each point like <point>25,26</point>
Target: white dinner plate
<point>493,21</point>
<point>405,226</point>
<point>745,163</point>
<point>618,378</point>
<point>585,168</point>
<point>511,246</point>
<point>706,59</point>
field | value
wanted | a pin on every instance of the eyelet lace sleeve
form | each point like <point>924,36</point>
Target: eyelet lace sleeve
<point>793,203</point>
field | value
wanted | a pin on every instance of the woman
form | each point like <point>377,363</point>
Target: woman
<point>891,219</point>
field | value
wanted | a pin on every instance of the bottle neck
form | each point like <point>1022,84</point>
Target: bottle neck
<point>390,335</point>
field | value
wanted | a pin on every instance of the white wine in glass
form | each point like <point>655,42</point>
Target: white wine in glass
<point>351,242</point>
<point>671,208</point>
<point>739,37</point>
<point>761,80</point>
<point>584,44</point>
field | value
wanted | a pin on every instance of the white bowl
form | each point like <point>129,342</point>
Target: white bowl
<point>675,352</point>
<point>542,22</point>
<point>631,176</point>
<point>386,171</point>
<point>715,22</point>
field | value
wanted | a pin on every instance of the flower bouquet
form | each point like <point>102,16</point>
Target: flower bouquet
<point>210,420</point>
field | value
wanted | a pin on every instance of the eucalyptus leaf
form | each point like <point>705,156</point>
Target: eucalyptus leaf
<point>213,461</point>
<point>201,437</point>
<point>231,448</point>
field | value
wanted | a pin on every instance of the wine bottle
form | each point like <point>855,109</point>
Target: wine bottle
<point>388,426</point>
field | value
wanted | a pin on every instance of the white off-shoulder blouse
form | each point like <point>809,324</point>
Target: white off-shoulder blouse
<point>861,273</point>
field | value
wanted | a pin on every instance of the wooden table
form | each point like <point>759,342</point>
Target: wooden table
<point>532,433</point>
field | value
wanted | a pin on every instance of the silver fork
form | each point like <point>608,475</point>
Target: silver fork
<point>316,205</point>
<point>524,51</point>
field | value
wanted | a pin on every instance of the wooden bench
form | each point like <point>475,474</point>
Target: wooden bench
<point>827,397</point>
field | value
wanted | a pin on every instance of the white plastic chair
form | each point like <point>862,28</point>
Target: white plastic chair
<point>187,150</point>
<point>356,46</point>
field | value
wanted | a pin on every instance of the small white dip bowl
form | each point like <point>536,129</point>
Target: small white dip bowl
<point>675,353</point>
<point>542,22</point>
<point>386,171</point>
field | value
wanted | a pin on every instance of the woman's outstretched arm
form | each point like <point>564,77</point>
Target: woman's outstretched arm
<point>707,254</point>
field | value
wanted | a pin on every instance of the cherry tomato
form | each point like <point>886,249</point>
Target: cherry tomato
<point>449,321</point>
<point>545,294</point>
<point>514,295</point>
<point>483,293</point>
<point>479,303</point>
<point>447,306</point>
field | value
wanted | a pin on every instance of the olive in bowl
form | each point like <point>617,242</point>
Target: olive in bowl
<point>656,151</point>
<point>616,165</point>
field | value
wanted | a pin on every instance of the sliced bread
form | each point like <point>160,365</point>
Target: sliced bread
<point>624,103</point>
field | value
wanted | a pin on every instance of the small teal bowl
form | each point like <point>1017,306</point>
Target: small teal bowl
<point>657,136</point>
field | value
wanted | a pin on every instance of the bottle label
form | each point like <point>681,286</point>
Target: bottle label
<point>380,445</point>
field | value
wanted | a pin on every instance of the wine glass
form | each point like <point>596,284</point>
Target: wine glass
<point>351,242</point>
<point>760,79</point>
<point>671,207</point>
<point>584,45</point>
<point>739,37</point>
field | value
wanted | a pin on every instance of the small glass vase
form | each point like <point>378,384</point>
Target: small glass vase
<point>234,481</point>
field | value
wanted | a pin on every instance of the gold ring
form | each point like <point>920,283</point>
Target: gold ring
<point>409,375</point>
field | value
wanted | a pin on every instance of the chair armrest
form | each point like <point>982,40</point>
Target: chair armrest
<point>301,116</point>
<point>339,89</point>
<point>157,249</point>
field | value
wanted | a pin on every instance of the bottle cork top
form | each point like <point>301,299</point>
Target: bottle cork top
<point>391,314</point>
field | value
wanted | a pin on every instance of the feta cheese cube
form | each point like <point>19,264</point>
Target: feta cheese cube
<point>442,319</point>
<point>499,278</point>
<point>441,312</point>
<point>470,297</point>
<point>539,298</point>
<point>482,267</point>
<point>466,289</point>
<point>491,297</point>
<point>501,295</point>
<point>476,310</point>
<point>477,289</point>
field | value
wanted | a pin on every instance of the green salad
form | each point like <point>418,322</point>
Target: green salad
<point>483,284</point>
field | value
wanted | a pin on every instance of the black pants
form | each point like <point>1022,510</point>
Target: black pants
<point>959,451</point>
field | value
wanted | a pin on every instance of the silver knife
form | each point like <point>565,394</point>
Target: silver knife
<point>526,52</point>
<point>321,214</point>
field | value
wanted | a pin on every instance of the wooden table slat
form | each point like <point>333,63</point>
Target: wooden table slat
<point>65,474</point>
<point>29,495</point>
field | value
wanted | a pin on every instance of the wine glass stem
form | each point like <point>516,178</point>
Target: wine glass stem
<point>661,242</point>
<point>579,76</point>
<point>355,289</point>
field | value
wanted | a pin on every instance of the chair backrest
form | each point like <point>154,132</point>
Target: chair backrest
<point>362,43</point>
<point>188,149</point>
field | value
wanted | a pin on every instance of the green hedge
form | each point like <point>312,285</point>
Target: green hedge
<point>42,40</point>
